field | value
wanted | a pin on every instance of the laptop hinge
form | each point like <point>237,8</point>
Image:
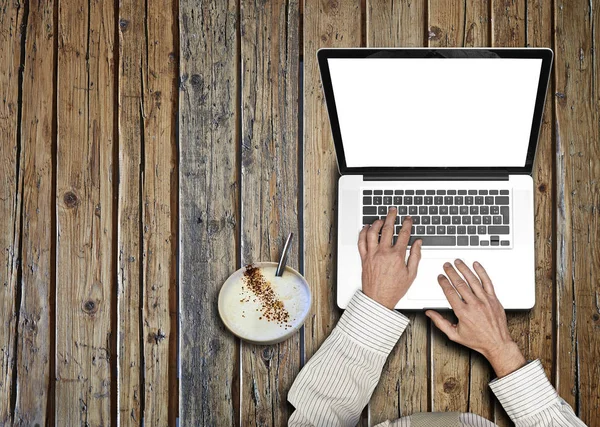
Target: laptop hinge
<point>497,175</point>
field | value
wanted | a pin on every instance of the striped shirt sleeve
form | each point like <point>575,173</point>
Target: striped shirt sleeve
<point>337,382</point>
<point>530,400</point>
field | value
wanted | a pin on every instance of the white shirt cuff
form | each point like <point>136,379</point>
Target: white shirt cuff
<point>525,391</point>
<point>371,324</point>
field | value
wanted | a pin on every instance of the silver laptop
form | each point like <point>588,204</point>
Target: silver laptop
<point>448,136</point>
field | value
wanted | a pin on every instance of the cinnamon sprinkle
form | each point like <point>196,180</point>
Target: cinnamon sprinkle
<point>272,308</point>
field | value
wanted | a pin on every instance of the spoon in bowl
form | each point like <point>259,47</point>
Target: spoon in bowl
<point>283,259</point>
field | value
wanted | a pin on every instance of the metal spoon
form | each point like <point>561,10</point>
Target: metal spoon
<point>283,259</point>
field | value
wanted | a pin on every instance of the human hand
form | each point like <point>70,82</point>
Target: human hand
<point>481,318</point>
<point>386,277</point>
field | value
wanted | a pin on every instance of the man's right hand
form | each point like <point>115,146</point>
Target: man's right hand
<point>481,319</point>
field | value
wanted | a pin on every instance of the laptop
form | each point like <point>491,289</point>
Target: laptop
<point>447,136</point>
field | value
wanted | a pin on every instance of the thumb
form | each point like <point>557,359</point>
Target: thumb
<point>442,324</point>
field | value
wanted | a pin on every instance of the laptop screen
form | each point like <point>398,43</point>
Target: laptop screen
<point>435,112</point>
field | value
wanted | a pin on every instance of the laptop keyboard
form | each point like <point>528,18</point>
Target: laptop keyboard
<point>445,217</point>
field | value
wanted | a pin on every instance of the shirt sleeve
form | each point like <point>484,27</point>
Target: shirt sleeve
<point>530,400</point>
<point>337,382</point>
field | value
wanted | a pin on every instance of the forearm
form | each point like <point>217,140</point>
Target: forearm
<point>337,382</point>
<point>530,400</point>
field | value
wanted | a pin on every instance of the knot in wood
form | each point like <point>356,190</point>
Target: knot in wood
<point>90,307</point>
<point>267,354</point>
<point>434,33</point>
<point>596,317</point>
<point>542,188</point>
<point>70,199</point>
<point>123,24</point>
<point>159,336</point>
<point>451,385</point>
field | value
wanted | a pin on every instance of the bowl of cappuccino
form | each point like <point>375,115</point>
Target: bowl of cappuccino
<point>261,308</point>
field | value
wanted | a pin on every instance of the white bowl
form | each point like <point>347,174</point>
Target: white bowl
<point>240,309</point>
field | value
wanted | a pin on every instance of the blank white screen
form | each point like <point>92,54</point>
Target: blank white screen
<point>435,112</point>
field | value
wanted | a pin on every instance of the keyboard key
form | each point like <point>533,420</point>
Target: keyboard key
<point>367,200</point>
<point>401,219</point>
<point>489,200</point>
<point>428,200</point>
<point>501,229</point>
<point>433,210</point>
<point>408,200</point>
<point>425,220</point>
<point>484,243</point>
<point>422,210</point>
<point>461,229</point>
<point>446,219</point>
<point>504,192</point>
<point>463,241</point>
<point>451,192</point>
<point>388,192</point>
<point>416,220</point>
<point>382,210</point>
<point>504,213</point>
<point>494,242</point>
<point>451,229</point>
<point>441,229</point>
<point>504,243</point>
<point>502,200</point>
<point>367,192</point>
<point>474,210</point>
<point>402,210</point>
<point>493,192</point>
<point>438,200</point>
<point>412,230</point>
<point>397,200</point>
<point>453,210</point>
<point>471,229</point>
<point>434,240</point>
<point>412,210</point>
<point>430,229</point>
<point>430,192</point>
<point>399,192</point>
<point>483,192</point>
<point>378,192</point>
<point>435,220</point>
<point>418,200</point>
<point>448,200</point>
<point>481,229</point>
<point>472,192</point>
<point>468,200</point>
<point>377,200</point>
<point>441,192</point>
<point>464,210</point>
<point>369,210</point>
<point>462,192</point>
<point>497,219</point>
<point>443,210</point>
<point>494,210</point>
<point>459,200</point>
<point>409,192</point>
<point>487,219</point>
<point>466,220</point>
<point>387,200</point>
<point>369,219</point>
<point>421,229</point>
<point>456,220</point>
<point>420,192</point>
<point>474,240</point>
<point>479,200</point>
<point>484,210</point>
<point>476,220</point>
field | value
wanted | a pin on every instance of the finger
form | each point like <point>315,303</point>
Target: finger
<point>373,235</point>
<point>472,279</point>
<point>485,279</point>
<point>404,236</point>
<point>362,241</point>
<point>413,260</point>
<point>442,324</point>
<point>459,283</point>
<point>387,232</point>
<point>451,295</point>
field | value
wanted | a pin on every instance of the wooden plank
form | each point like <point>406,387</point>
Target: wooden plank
<point>11,20</point>
<point>38,133</point>
<point>269,186</point>
<point>209,191</point>
<point>578,173</point>
<point>132,40</point>
<point>403,387</point>
<point>159,214</point>
<point>459,376</point>
<point>85,239</point>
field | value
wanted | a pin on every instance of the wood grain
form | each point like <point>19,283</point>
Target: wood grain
<point>578,172</point>
<point>85,172</point>
<point>404,383</point>
<point>269,186</point>
<point>209,209</point>
<point>459,376</point>
<point>38,135</point>
<point>11,20</point>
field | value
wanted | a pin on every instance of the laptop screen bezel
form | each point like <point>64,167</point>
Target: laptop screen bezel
<point>545,54</point>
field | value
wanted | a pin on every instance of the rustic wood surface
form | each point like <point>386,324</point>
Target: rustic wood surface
<point>149,149</point>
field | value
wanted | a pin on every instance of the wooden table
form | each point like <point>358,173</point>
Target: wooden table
<point>149,149</point>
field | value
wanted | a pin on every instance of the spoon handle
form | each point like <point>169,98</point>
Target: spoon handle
<point>283,259</point>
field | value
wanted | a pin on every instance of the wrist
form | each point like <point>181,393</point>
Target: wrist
<point>506,359</point>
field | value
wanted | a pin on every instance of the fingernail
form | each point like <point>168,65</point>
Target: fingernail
<point>458,261</point>
<point>476,263</point>
<point>447,265</point>
<point>427,313</point>
<point>440,276</point>
<point>408,217</point>
<point>393,208</point>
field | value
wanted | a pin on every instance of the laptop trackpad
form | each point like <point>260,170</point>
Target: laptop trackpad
<point>426,286</point>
